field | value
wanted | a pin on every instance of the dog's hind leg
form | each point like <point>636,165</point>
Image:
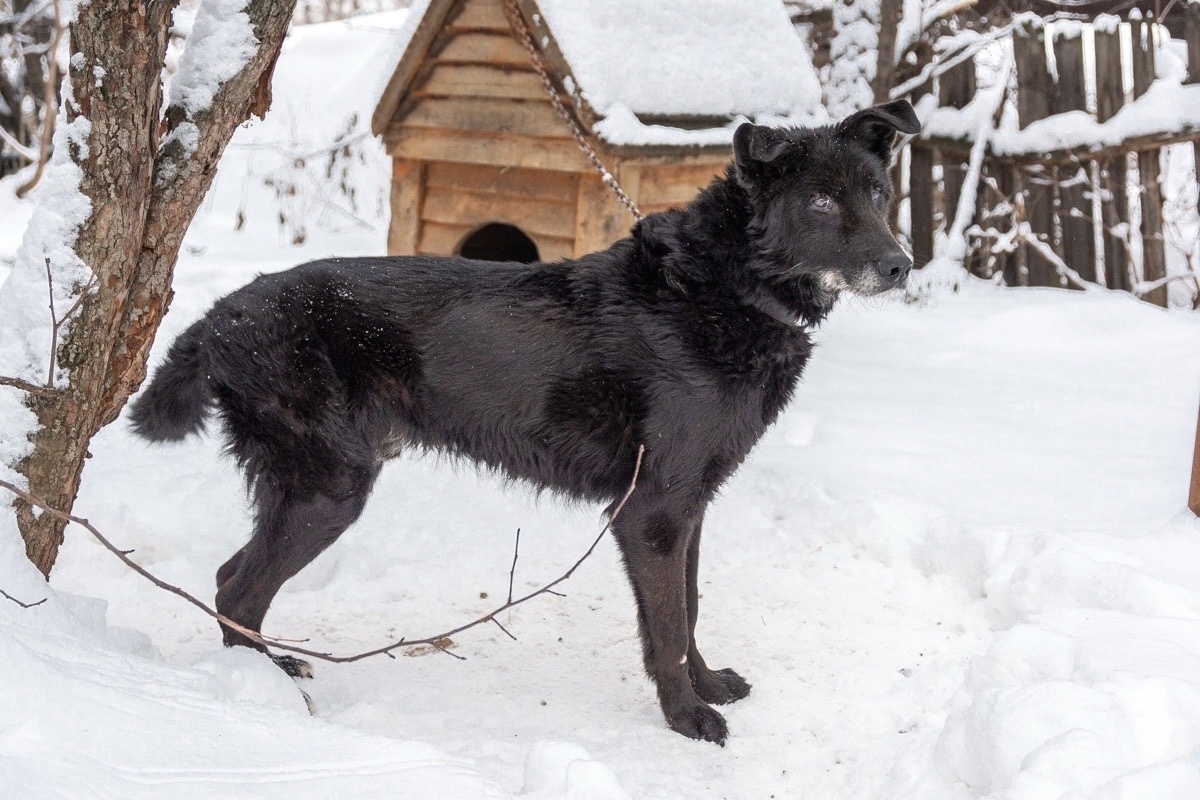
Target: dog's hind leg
<point>713,686</point>
<point>292,527</point>
<point>226,570</point>
<point>653,538</point>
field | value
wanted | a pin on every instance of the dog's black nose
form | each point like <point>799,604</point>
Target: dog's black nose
<point>895,267</point>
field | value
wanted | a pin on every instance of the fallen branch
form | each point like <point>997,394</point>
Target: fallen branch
<point>21,604</point>
<point>438,640</point>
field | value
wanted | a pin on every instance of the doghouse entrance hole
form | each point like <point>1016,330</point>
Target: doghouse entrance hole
<point>499,242</point>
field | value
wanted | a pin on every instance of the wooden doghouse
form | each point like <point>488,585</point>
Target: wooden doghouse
<point>484,166</point>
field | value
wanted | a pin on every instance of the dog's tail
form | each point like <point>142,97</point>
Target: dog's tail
<point>178,398</point>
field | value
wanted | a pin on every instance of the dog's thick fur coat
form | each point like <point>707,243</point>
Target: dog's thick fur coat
<point>682,337</point>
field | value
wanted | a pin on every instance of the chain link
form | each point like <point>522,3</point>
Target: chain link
<point>526,38</point>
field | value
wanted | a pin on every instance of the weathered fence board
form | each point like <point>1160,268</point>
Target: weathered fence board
<point>1154,257</point>
<point>1114,206</point>
<point>920,199</point>
<point>1077,245</point>
<point>1034,89</point>
<point>956,88</point>
<point>1192,34</point>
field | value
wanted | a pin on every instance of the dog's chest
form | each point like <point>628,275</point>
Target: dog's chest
<point>755,360</point>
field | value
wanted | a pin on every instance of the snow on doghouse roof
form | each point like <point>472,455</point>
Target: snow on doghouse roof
<point>642,60</point>
<point>658,72</point>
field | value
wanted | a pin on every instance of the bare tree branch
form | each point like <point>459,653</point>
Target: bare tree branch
<point>1025,233</point>
<point>26,386</point>
<point>27,153</point>
<point>439,640</point>
<point>49,105</point>
<point>512,572</point>
<point>56,323</point>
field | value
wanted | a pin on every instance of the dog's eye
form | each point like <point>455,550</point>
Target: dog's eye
<point>821,202</point>
<point>877,194</point>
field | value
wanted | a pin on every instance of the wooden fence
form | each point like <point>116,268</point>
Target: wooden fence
<point>1077,201</point>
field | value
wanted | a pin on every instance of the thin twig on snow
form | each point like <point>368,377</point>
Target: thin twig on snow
<point>23,604</point>
<point>438,640</point>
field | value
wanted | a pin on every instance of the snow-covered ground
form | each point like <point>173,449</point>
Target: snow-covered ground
<point>959,567</point>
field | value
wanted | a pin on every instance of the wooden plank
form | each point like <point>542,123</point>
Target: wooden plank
<point>1078,245</point>
<point>956,88</point>
<point>1110,79</point>
<point>404,229</point>
<point>1114,206</point>
<point>981,261</point>
<point>1034,87</point>
<point>554,249</point>
<point>474,80</point>
<point>1154,257</point>
<point>488,116</point>
<point>443,239</point>
<point>420,44</point>
<point>1039,213</point>
<point>1115,210</point>
<point>1192,35</point>
<point>504,181</point>
<point>467,208</point>
<point>920,200</point>
<point>600,219</point>
<point>485,15</point>
<point>675,185</point>
<point>716,157</point>
<point>432,144</point>
<point>496,49</point>
<point>1011,265</point>
<point>1194,492</point>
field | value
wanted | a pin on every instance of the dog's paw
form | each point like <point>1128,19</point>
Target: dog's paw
<point>308,702</point>
<point>700,722</point>
<point>720,686</point>
<point>297,668</point>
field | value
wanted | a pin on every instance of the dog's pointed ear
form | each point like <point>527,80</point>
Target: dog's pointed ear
<point>755,146</point>
<point>877,127</point>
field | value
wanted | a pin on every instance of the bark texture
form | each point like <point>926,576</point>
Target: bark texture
<point>143,197</point>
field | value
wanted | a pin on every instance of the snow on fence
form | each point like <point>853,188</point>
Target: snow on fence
<point>1078,166</point>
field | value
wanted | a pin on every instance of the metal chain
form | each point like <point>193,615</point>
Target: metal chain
<point>526,38</point>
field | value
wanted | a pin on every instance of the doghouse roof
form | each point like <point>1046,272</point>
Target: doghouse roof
<point>655,72</point>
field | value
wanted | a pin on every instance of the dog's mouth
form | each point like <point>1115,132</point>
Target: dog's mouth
<point>872,279</point>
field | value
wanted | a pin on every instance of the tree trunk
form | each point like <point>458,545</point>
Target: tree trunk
<point>145,189</point>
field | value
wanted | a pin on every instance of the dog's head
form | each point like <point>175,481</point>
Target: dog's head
<point>821,198</point>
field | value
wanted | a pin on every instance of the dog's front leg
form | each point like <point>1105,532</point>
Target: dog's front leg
<point>713,686</point>
<point>654,542</point>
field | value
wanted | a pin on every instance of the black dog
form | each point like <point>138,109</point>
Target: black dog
<point>687,337</point>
